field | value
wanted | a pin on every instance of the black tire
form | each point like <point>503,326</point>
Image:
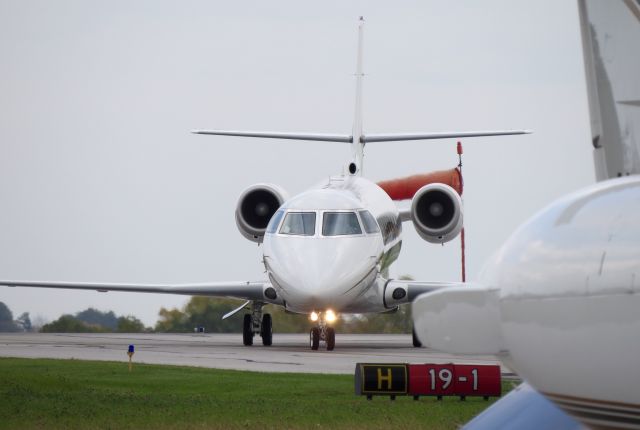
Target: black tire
<point>247,331</point>
<point>266,331</point>
<point>314,338</point>
<point>416,341</point>
<point>331,338</point>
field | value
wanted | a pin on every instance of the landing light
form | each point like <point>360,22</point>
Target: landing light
<point>313,316</point>
<point>330,316</point>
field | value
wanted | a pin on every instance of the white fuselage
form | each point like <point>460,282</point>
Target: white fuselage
<point>569,284</point>
<point>321,267</point>
<point>559,304</point>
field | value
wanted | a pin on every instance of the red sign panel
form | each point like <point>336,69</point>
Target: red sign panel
<point>454,380</point>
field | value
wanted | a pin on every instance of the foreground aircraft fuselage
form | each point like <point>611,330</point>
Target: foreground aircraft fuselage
<point>559,304</point>
<point>560,301</point>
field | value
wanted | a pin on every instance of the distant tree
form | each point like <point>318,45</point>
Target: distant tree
<point>70,324</point>
<point>200,311</point>
<point>6,319</point>
<point>5,313</point>
<point>130,324</point>
<point>93,316</point>
<point>171,321</point>
<point>25,321</point>
<point>388,322</point>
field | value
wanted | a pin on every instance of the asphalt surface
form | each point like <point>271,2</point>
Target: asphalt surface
<point>289,352</point>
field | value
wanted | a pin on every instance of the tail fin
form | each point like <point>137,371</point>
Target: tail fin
<point>610,28</point>
<point>357,144</point>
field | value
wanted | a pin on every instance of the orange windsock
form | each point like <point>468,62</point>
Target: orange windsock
<point>405,188</point>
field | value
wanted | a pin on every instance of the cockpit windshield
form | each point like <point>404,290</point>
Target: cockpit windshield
<point>299,223</point>
<point>369,222</point>
<point>340,223</point>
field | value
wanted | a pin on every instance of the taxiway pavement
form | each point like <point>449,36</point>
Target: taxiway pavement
<point>289,352</point>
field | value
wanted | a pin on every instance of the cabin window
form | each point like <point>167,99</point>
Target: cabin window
<point>340,223</point>
<point>275,221</point>
<point>299,223</point>
<point>369,222</point>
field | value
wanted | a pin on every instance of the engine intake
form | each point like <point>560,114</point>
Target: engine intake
<point>436,212</point>
<point>256,206</point>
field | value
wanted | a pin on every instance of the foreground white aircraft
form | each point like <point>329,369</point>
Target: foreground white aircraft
<point>325,250</point>
<point>560,301</point>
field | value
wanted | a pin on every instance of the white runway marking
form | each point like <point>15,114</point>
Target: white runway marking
<point>289,352</point>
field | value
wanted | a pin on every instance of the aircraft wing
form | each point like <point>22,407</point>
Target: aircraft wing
<point>399,291</point>
<point>240,290</point>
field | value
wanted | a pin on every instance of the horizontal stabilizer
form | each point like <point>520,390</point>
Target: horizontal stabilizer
<point>364,139</point>
<point>278,135</point>
<point>441,135</point>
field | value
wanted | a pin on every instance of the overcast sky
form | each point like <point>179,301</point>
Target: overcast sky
<point>100,179</point>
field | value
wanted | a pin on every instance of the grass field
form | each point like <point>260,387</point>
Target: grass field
<point>73,394</point>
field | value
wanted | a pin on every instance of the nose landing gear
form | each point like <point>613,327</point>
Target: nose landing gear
<point>257,323</point>
<point>322,332</point>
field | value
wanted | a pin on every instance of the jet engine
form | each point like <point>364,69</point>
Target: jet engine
<point>436,212</point>
<point>256,206</point>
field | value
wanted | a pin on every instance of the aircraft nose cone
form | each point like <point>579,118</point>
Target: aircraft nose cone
<point>319,271</point>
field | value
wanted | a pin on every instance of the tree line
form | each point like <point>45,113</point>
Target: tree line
<point>88,321</point>
<point>205,312</point>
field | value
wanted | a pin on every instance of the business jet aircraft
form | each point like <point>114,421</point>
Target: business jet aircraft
<point>326,249</point>
<point>559,303</point>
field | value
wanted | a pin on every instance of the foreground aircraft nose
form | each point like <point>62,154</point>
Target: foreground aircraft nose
<point>321,272</point>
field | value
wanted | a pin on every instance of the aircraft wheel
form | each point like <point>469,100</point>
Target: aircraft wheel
<point>314,338</point>
<point>266,331</point>
<point>247,331</point>
<point>416,341</point>
<point>331,338</point>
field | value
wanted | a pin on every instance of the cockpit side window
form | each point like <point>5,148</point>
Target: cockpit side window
<point>274,222</point>
<point>340,223</point>
<point>369,222</point>
<point>299,223</point>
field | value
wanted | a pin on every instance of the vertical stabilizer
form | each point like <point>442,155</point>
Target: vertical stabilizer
<point>357,145</point>
<point>610,35</point>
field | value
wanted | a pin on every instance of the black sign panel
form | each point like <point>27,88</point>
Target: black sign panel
<point>384,378</point>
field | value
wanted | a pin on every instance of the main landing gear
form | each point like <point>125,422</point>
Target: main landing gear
<point>322,332</point>
<point>257,323</point>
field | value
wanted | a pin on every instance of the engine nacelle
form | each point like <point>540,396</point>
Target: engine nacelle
<point>436,212</point>
<point>256,206</point>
